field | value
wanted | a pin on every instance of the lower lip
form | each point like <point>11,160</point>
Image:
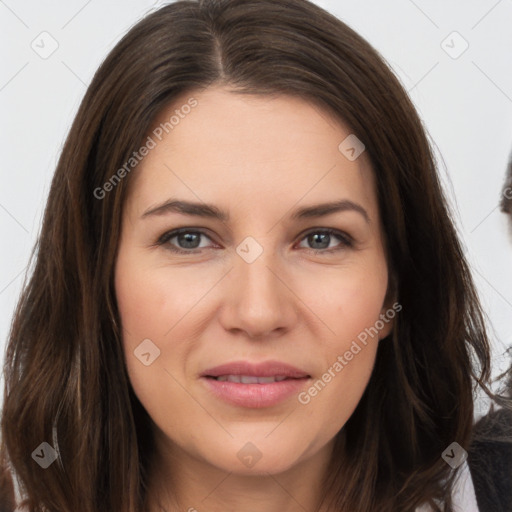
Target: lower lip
<point>255,395</point>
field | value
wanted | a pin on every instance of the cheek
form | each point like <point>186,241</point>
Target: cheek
<point>334,396</point>
<point>348,301</point>
<point>140,297</point>
<point>351,305</point>
<point>349,359</point>
<point>154,302</point>
<point>150,307</point>
<point>163,306</point>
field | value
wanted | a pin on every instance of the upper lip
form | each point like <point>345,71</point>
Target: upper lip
<point>265,369</point>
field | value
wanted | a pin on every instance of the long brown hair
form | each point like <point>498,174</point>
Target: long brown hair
<point>65,378</point>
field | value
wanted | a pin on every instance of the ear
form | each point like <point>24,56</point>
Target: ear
<point>387,319</point>
<point>390,309</point>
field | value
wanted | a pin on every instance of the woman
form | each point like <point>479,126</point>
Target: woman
<point>255,370</point>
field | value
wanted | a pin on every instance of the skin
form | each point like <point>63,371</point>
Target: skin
<point>259,158</point>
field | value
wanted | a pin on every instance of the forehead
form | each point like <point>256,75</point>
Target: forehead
<point>250,150</point>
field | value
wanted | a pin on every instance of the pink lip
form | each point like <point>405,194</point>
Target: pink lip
<point>266,369</point>
<point>255,395</point>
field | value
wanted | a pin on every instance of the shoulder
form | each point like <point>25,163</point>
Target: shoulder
<point>490,461</point>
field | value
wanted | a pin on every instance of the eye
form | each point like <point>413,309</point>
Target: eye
<point>320,240</point>
<point>188,241</point>
<point>188,238</point>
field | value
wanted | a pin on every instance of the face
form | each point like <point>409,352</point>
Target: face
<point>273,286</point>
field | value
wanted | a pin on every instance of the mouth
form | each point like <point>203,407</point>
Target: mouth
<point>249,379</point>
<point>245,384</point>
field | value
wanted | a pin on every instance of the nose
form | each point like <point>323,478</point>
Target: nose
<point>259,298</point>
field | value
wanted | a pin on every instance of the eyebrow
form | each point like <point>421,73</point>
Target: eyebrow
<point>213,212</point>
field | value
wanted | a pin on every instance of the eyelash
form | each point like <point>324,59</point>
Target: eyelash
<point>346,241</point>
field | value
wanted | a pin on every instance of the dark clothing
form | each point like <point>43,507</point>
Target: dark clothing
<point>490,461</point>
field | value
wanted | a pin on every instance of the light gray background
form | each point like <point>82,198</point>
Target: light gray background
<point>465,102</point>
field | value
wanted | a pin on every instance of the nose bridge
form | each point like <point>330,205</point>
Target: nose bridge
<point>260,301</point>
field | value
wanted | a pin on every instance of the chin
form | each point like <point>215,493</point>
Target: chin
<point>257,458</point>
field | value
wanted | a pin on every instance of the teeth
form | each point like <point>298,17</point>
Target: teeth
<point>250,379</point>
<point>265,380</point>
